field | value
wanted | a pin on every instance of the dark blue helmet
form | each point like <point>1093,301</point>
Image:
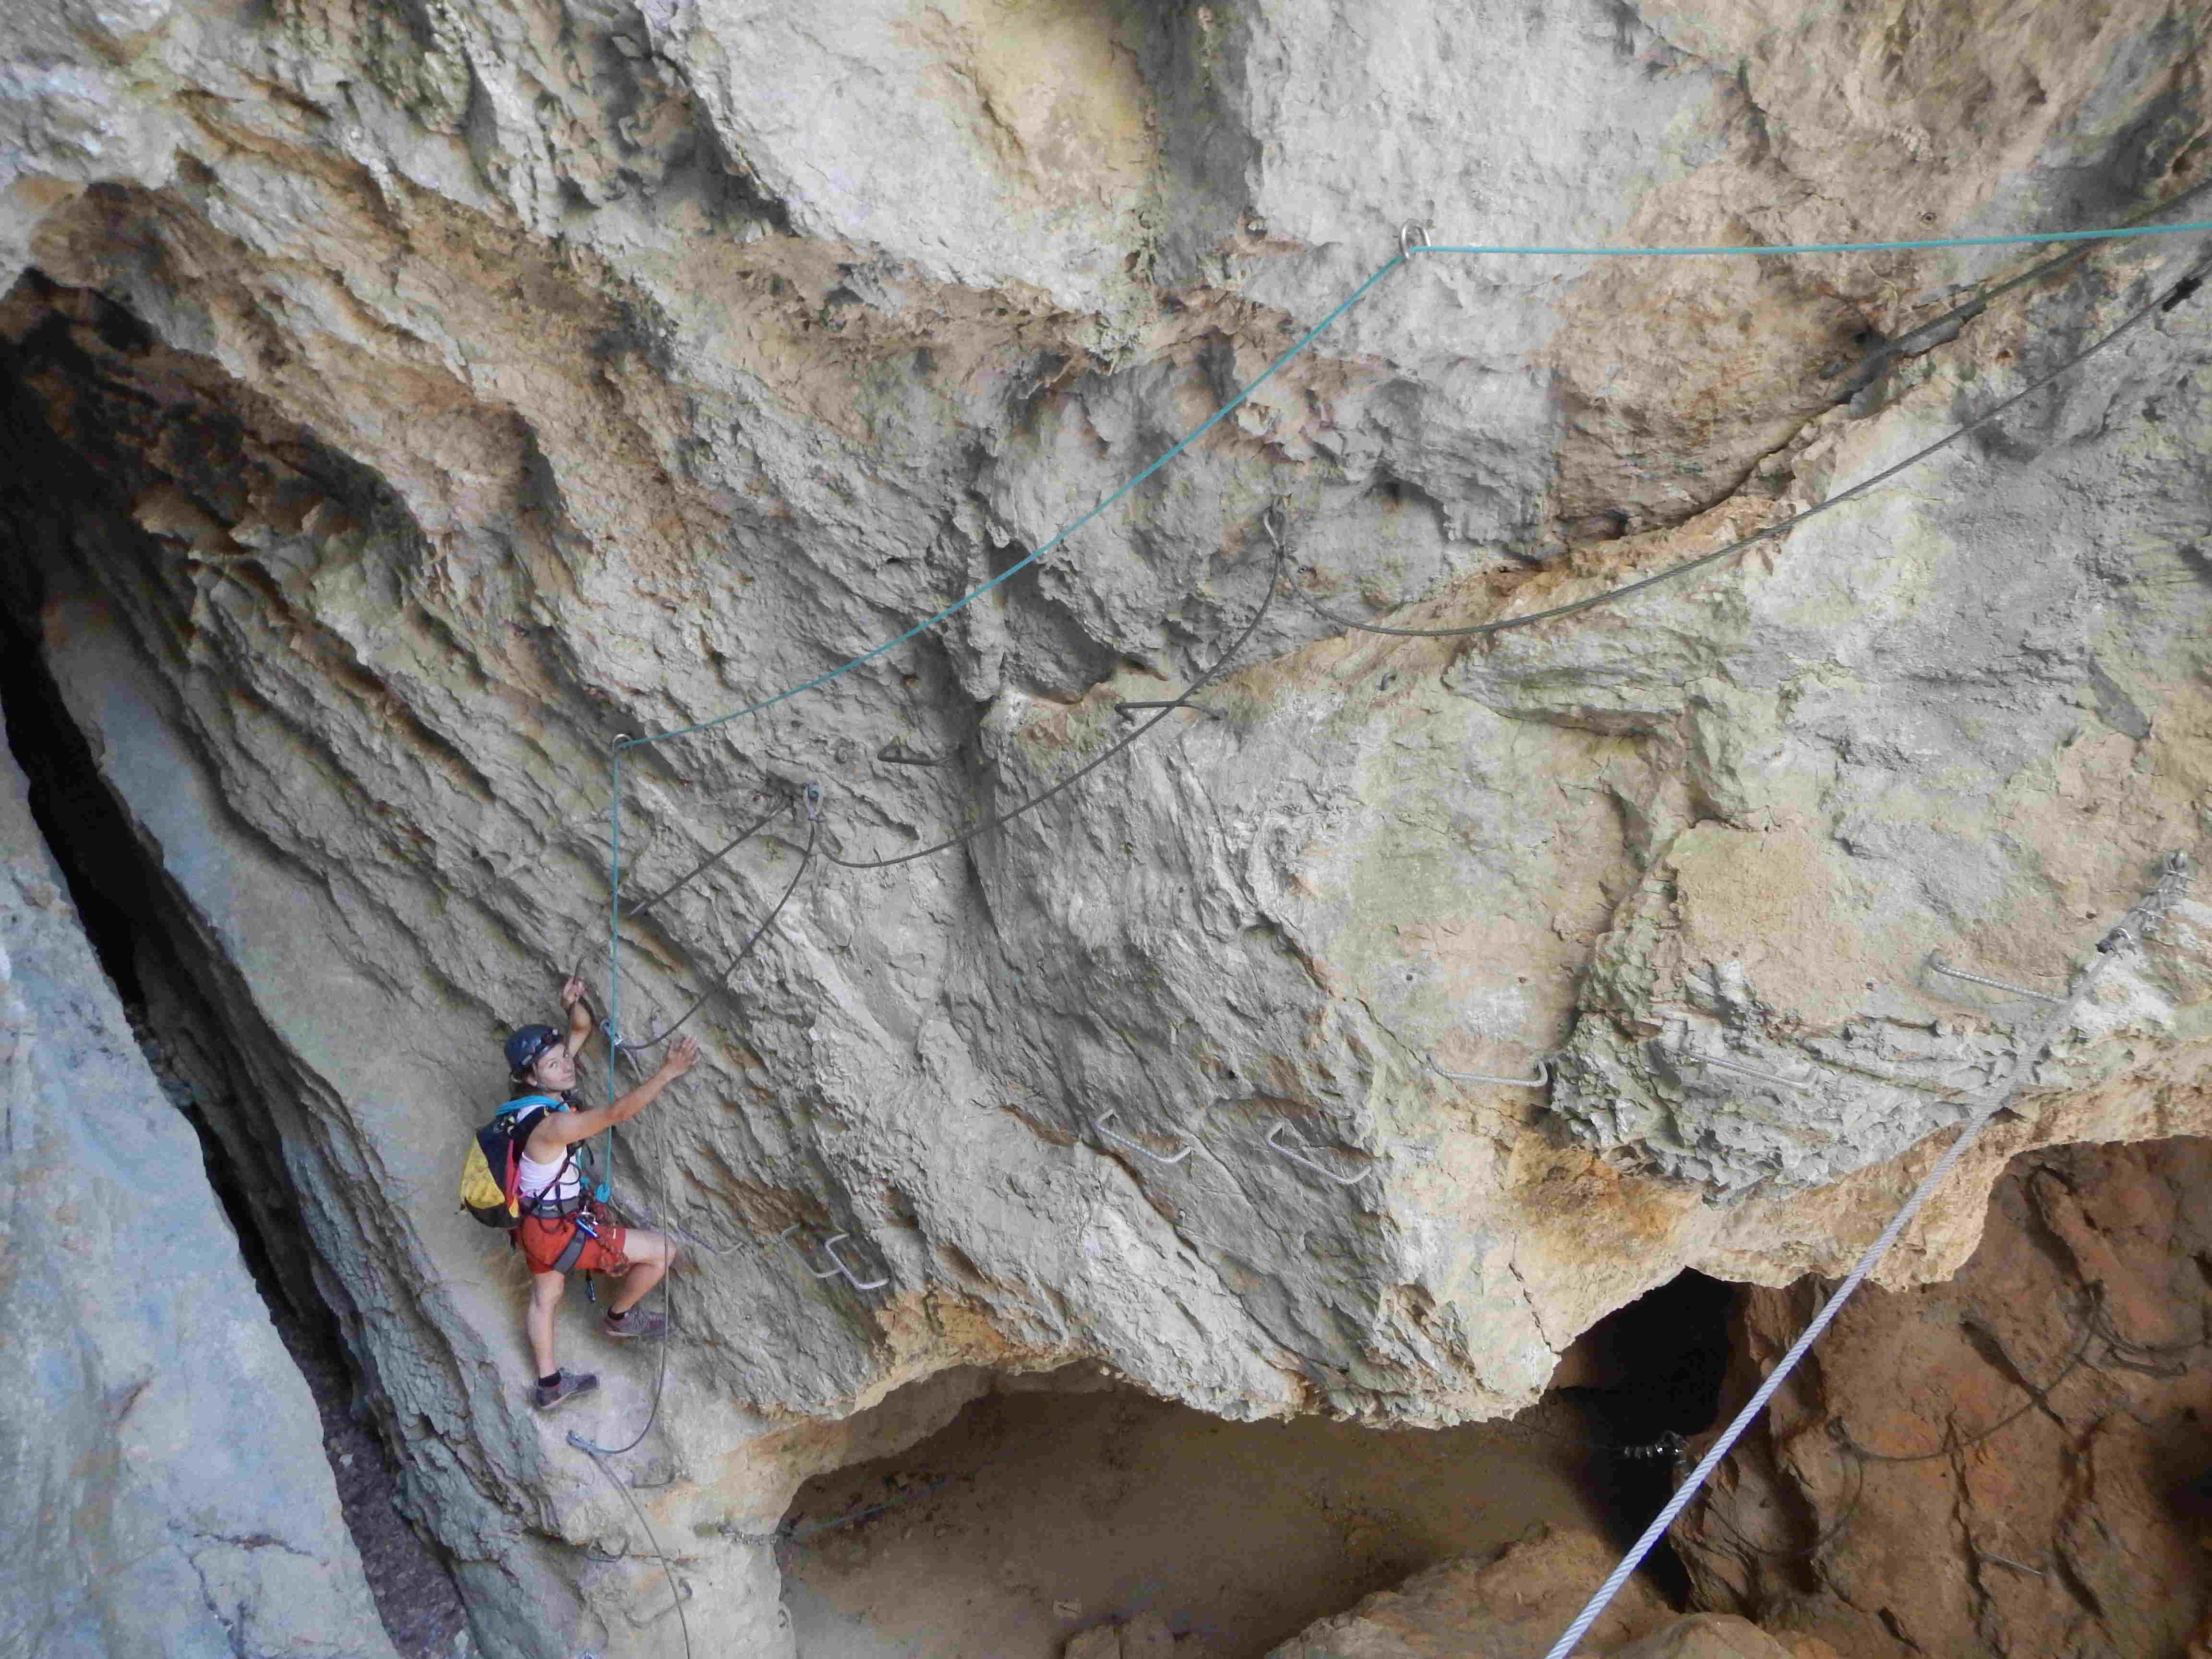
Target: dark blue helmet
<point>528,1045</point>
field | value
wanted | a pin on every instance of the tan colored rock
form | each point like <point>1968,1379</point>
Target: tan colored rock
<point>1100,1642</point>
<point>2000,1464</point>
<point>1512,1607</point>
<point>1710,1636</point>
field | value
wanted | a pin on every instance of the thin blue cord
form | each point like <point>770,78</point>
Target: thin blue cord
<point>1831,247</point>
<point>927,622</point>
<point>1350,299</point>
<point>614,940</point>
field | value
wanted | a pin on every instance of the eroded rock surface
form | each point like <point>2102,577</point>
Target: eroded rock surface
<point>2016,1461</point>
<point>163,1489</point>
<point>1511,1607</point>
<point>409,399</point>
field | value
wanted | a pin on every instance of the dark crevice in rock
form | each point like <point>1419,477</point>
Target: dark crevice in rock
<point>121,898</point>
<point>1647,1374</point>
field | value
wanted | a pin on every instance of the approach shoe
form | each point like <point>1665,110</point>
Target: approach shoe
<point>638,1321</point>
<point>571,1384</point>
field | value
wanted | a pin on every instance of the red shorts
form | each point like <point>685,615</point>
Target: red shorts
<point>543,1238</point>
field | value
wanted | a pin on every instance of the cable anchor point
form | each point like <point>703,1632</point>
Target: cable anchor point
<point>1407,235</point>
<point>812,801</point>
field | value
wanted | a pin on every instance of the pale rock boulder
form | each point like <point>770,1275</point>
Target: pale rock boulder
<point>163,1487</point>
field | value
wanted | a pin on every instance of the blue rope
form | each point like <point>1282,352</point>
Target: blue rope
<point>614,938</point>
<point>1831,247</point>
<point>927,622</point>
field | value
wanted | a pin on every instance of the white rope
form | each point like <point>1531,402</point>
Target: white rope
<point>2127,936</point>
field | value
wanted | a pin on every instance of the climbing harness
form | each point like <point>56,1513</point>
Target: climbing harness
<point>2141,916</point>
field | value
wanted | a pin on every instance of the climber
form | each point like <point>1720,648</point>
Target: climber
<point>562,1228</point>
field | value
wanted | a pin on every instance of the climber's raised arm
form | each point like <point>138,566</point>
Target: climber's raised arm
<point>558,1129</point>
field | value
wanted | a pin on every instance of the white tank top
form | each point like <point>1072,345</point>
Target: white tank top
<point>531,1178</point>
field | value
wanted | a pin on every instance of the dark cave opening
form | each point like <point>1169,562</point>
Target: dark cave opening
<point>1645,1376</point>
<point>1049,1506</point>
<point>121,899</point>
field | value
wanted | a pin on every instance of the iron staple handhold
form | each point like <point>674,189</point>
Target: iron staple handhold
<point>1100,1123</point>
<point>838,1267</point>
<point>1298,1155</point>
<point>1937,962</point>
<point>830,1249</point>
<point>1541,1080</point>
<point>893,755</point>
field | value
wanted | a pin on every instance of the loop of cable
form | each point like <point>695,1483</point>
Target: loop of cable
<point>1027,559</point>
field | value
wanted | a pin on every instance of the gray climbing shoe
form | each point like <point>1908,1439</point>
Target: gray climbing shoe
<point>638,1321</point>
<point>570,1385</point>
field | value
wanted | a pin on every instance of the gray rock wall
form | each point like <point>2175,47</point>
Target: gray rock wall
<point>163,1489</point>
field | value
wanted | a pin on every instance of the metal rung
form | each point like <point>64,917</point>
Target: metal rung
<point>1298,1155</point>
<point>1172,702</point>
<point>837,1267</point>
<point>1695,1058</point>
<point>1938,964</point>
<point>1100,1123</point>
<point>899,757</point>
<point>1541,1080</point>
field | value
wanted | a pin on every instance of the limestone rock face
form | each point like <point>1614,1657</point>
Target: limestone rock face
<point>2013,1462</point>
<point>408,400</point>
<point>163,1489</point>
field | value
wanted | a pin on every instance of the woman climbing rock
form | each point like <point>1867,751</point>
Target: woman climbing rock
<point>562,1228</point>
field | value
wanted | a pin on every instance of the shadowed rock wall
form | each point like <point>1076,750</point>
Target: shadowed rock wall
<point>163,1489</point>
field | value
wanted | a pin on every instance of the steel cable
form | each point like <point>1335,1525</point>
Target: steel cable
<point>806,857</point>
<point>1614,595</point>
<point>1274,584</point>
